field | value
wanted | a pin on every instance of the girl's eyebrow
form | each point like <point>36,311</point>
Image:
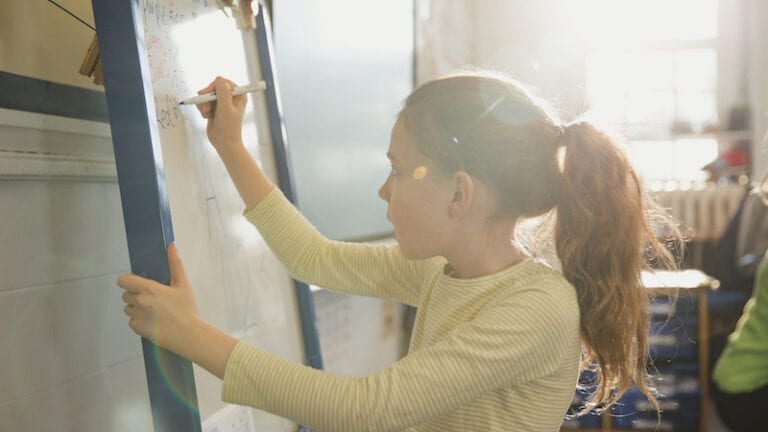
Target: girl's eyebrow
<point>391,157</point>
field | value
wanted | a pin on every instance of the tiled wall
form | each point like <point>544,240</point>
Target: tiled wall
<point>69,361</point>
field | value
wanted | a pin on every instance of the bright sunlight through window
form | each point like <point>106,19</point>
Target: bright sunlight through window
<point>651,73</point>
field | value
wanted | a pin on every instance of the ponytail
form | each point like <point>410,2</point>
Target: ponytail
<point>602,236</point>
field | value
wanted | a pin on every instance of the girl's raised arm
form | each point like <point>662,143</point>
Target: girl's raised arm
<point>225,120</point>
<point>306,254</point>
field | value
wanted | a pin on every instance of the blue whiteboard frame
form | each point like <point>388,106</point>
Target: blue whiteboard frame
<point>170,378</point>
<point>279,140</point>
<point>145,204</point>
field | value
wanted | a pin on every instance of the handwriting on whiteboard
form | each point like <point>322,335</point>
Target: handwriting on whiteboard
<point>159,17</point>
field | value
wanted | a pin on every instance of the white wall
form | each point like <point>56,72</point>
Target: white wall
<point>757,12</point>
<point>523,38</point>
<point>444,37</point>
<point>539,44</point>
<point>733,80</point>
<point>535,44</point>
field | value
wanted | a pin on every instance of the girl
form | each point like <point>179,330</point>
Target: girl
<point>499,335</point>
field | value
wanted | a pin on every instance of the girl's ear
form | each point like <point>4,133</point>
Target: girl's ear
<point>463,193</point>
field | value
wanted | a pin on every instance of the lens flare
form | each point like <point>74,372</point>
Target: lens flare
<point>420,172</point>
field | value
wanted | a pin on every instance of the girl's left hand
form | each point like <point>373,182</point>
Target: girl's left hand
<point>164,314</point>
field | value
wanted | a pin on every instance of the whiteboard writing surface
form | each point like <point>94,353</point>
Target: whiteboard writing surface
<point>239,285</point>
<point>345,67</point>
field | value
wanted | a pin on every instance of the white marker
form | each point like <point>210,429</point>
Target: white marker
<point>237,91</point>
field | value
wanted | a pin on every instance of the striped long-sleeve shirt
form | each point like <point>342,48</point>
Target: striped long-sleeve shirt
<point>495,353</point>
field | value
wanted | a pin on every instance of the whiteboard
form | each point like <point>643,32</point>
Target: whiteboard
<point>345,67</point>
<point>240,286</point>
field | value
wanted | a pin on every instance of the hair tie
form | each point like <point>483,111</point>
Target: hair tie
<point>569,131</point>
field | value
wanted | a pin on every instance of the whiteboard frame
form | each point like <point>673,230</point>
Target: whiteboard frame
<point>141,178</point>
<point>279,141</point>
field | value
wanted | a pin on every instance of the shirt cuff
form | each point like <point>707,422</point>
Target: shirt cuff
<point>237,386</point>
<point>265,205</point>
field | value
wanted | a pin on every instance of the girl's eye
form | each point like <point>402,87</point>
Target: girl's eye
<point>393,170</point>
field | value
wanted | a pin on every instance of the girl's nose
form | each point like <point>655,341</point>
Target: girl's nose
<point>384,190</point>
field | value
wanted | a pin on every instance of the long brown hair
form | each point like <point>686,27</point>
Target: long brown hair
<point>496,130</point>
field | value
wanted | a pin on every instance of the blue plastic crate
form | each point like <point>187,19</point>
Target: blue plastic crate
<point>683,307</point>
<point>678,379</point>
<point>673,340</point>
<point>586,421</point>
<point>634,411</point>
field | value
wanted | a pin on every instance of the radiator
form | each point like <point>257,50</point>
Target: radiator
<point>703,213</point>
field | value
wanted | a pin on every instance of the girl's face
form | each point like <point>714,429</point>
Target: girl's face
<point>417,197</point>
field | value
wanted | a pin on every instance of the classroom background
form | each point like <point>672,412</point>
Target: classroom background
<point>683,80</point>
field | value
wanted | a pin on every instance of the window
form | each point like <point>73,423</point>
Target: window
<point>651,73</point>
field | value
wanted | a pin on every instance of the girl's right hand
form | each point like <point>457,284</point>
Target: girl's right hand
<point>225,115</point>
